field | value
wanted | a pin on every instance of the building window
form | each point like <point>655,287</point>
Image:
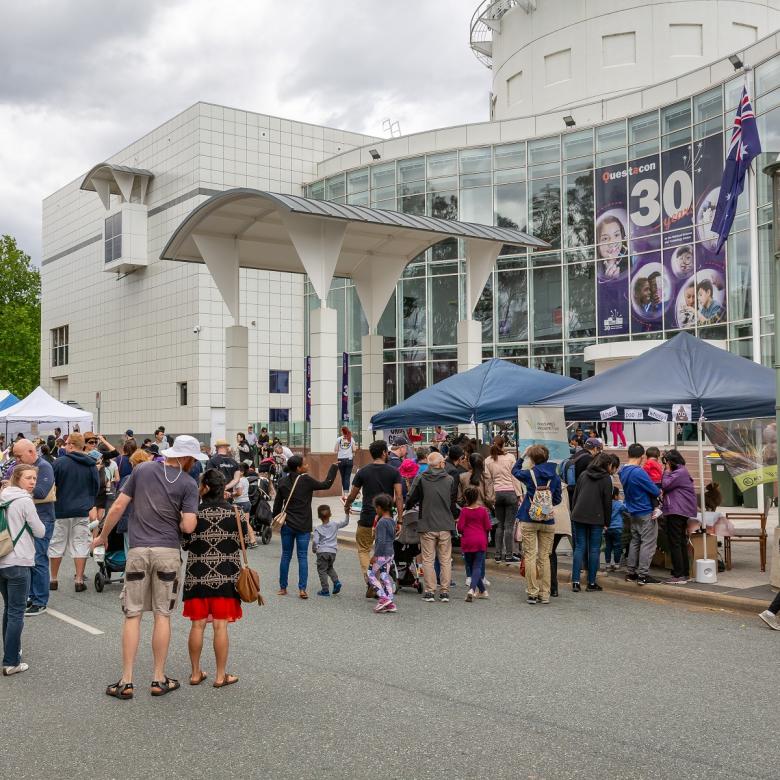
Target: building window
<point>278,381</point>
<point>59,346</point>
<point>113,237</point>
<point>182,388</point>
<point>278,415</point>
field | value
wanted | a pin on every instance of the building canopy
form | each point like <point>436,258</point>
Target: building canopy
<point>684,370</point>
<point>490,392</point>
<point>245,228</point>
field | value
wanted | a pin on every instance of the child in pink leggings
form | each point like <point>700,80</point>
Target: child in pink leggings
<point>379,569</point>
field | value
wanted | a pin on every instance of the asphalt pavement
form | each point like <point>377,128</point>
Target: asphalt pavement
<point>593,685</point>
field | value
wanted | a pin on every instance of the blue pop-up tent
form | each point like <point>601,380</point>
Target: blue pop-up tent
<point>9,400</point>
<point>490,392</point>
<point>683,370</point>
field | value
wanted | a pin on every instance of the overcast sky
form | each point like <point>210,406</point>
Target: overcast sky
<point>83,78</point>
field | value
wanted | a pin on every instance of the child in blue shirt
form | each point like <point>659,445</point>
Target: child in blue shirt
<point>613,544</point>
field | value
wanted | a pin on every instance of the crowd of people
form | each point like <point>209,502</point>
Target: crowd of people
<point>70,494</point>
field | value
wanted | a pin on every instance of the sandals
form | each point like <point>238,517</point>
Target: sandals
<point>166,686</point>
<point>200,679</point>
<point>229,680</point>
<point>120,690</point>
<point>281,592</point>
<point>302,594</point>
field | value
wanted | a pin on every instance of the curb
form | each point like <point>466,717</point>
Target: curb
<point>679,594</point>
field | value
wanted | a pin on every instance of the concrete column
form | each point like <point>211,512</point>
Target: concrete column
<point>324,381</point>
<point>236,381</point>
<point>469,344</point>
<point>372,372</point>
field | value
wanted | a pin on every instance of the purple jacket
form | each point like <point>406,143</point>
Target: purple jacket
<point>679,493</point>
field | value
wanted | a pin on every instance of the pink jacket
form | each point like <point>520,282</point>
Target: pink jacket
<point>474,527</point>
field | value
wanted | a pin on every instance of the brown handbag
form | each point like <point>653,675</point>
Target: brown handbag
<point>248,583</point>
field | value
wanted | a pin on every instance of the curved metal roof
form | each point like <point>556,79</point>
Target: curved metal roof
<point>106,171</point>
<point>254,218</point>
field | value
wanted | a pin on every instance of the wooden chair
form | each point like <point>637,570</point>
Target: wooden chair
<point>747,535</point>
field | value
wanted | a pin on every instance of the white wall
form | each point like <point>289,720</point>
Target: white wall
<point>569,52</point>
<point>132,338</point>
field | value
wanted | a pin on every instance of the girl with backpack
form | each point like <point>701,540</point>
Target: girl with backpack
<point>537,519</point>
<point>19,523</point>
<point>590,515</point>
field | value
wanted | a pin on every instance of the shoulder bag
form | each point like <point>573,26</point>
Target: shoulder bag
<point>281,518</point>
<point>248,583</point>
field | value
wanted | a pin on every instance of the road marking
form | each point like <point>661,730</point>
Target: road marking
<point>73,622</point>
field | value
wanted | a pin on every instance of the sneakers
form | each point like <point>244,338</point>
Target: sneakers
<point>770,619</point>
<point>444,596</point>
<point>508,559</point>
<point>9,670</point>
<point>469,596</point>
<point>391,607</point>
<point>483,595</point>
<point>631,577</point>
<point>382,605</point>
<point>647,580</point>
<point>676,581</point>
<point>575,586</point>
<point>336,587</point>
<point>35,609</point>
<point>468,582</point>
<point>428,596</point>
<point>53,585</point>
<point>323,592</point>
<point>594,586</point>
<point>498,559</point>
<point>532,600</point>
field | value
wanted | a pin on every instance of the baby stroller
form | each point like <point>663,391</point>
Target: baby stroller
<point>260,515</point>
<point>406,571</point>
<point>112,561</point>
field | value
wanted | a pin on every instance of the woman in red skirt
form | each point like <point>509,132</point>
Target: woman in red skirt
<point>213,566</point>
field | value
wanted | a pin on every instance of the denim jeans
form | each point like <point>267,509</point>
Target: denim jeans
<point>475,563</point>
<point>291,538</point>
<point>14,586</point>
<point>39,574</point>
<point>613,545</point>
<point>506,509</point>
<point>345,470</point>
<point>588,542</point>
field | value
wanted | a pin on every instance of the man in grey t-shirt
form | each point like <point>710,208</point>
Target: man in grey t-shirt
<point>165,504</point>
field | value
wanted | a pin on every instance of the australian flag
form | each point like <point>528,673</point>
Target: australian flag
<point>745,145</point>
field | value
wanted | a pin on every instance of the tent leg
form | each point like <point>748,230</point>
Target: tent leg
<point>701,481</point>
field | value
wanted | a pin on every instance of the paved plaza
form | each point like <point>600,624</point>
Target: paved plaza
<point>595,685</point>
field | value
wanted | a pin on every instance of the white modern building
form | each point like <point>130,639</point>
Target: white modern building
<point>604,136</point>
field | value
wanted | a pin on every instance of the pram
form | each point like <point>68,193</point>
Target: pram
<point>260,515</point>
<point>406,571</point>
<point>113,561</point>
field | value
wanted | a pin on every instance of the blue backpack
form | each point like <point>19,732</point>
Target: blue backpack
<point>567,473</point>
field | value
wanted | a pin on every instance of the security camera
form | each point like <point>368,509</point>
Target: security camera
<point>196,329</point>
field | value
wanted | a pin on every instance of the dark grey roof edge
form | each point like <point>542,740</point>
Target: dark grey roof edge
<point>300,205</point>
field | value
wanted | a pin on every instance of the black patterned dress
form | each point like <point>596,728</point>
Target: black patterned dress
<point>213,565</point>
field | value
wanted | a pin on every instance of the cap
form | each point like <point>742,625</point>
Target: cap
<point>399,441</point>
<point>184,447</point>
<point>593,444</point>
<point>129,432</point>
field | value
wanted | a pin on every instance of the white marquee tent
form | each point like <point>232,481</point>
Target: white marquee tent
<point>41,409</point>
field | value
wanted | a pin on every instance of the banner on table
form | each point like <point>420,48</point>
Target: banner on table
<point>611,237</point>
<point>748,449</point>
<point>345,386</point>
<point>308,388</point>
<point>543,425</point>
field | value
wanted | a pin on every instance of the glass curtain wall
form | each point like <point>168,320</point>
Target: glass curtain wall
<point>626,208</point>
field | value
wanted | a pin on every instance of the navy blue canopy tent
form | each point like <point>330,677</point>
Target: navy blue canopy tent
<point>490,392</point>
<point>683,370</point>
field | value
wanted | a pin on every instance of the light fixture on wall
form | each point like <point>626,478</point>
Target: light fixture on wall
<point>736,62</point>
<point>568,120</point>
<point>374,154</point>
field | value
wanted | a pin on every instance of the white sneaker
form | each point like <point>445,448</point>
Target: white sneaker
<point>484,595</point>
<point>469,596</point>
<point>9,670</point>
<point>770,619</point>
<point>486,582</point>
<point>468,582</point>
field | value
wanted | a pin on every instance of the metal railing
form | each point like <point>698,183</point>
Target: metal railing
<point>483,24</point>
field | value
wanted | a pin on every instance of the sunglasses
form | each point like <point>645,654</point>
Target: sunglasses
<point>91,441</point>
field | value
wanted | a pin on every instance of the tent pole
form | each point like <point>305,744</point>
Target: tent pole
<point>701,481</point>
